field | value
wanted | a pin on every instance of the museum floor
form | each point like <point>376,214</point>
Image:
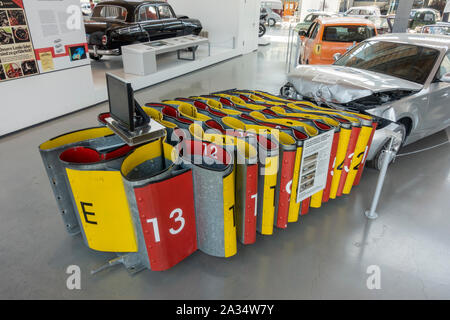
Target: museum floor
<point>325,255</point>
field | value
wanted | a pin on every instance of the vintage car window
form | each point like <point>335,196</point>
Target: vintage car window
<point>436,30</point>
<point>110,12</point>
<point>425,17</point>
<point>165,12</point>
<point>147,13</point>
<point>347,33</point>
<point>364,12</point>
<point>405,61</point>
<point>428,17</point>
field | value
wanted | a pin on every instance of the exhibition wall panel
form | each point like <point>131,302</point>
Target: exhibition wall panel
<point>307,6</point>
<point>54,77</point>
<point>35,99</point>
<point>225,20</point>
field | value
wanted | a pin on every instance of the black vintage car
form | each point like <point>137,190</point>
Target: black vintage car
<point>117,23</point>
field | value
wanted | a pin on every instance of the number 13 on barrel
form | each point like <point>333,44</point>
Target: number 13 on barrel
<point>166,213</point>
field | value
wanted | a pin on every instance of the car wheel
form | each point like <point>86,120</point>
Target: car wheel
<point>262,30</point>
<point>288,91</point>
<point>95,57</point>
<point>377,161</point>
<point>271,22</point>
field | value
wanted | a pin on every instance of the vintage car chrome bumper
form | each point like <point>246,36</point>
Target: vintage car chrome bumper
<point>99,52</point>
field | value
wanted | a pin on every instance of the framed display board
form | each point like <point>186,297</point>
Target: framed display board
<point>39,36</point>
<point>58,34</point>
<point>314,165</point>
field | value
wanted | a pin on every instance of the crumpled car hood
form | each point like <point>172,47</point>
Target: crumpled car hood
<point>342,85</point>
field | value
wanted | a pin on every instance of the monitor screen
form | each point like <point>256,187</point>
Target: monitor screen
<point>156,44</point>
<point>121,101</point>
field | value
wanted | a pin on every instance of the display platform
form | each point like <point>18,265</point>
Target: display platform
<point>168,67</point>
<point>140,58</point>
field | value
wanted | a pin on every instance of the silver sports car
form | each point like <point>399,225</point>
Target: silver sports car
<point>402,78</point>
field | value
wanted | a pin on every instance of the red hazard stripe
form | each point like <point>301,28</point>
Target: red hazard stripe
<point>305,206</point>
<point>363,163</point>
<point>251,195</point>
<point>326,191</point>
<point>348,159</point>
<point>287,171</point>
<point>54,55</point>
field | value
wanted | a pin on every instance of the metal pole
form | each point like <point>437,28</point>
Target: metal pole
<point>297,51</point>
<point>287,50</point>
<point>291,41</point>
<point>388,154</point>
<point>402,16</point>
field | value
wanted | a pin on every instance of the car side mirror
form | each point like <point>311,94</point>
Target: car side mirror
<point>445,77</point>
<point>336,56</point>
<point>302,33</point>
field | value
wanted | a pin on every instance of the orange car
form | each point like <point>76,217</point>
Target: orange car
<point>330,35</point>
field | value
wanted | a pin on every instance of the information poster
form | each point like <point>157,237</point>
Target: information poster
<point>59,37</point>
<point>314,165</point>
<point>17,55</point>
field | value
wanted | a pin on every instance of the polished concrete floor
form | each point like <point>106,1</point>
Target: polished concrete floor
<point>326,255</point>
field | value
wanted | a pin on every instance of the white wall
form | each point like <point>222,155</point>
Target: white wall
<point>249,12</point>
<point>224,19</point>
<point>31,100</point>
<point>330,5</point>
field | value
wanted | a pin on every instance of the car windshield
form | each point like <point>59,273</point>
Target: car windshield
<point>405,61</point>
<point>347,33</point>
<point>436,30</point>
<point>110,12</point>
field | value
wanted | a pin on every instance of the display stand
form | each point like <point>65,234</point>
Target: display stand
<point>140,58</point>
<point>152,131</point>
<point>128,120</point>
